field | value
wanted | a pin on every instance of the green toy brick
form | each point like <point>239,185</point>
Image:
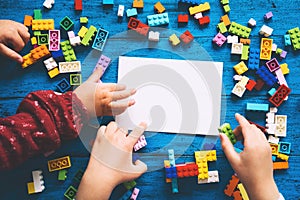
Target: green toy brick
<point>75,79</point>
<point>226,129</point>
<point>129,185</point>
<point>245,52</point>
<point>295,37</point>
<point>62,175</point>
<point>66,23</point>
<point>239,30</point>
<point>37,33</point>
<point>37,14</point>
<point>42,39</point>
<point>223,2</point>
<point>68,51</point>
<point>88,36</point>
<point>78,176</point>
<point>84,20</point>
<point>70,193</point>
<point>222,27</point>
<point>226,8</point>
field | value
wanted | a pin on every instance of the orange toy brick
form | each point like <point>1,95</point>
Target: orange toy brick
<point>266,48</point>
<point>42,24</point>
<point>27,60</point>
<point>280,165</point>
<point>187,170</point>
<point>226,20</point>
<point>28,20</point>
<point>138,4</point>
<point>39,52</point>
<point>237,195</point>
<point>231,185</point>
<point>59,163</point>
<point>187,37</point>
<point>159,7</point>
<point>245,41</point>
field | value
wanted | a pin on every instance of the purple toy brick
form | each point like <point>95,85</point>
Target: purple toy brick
<point>54,40</point>
<point>273,65</point>
<point>253,61</point>
<point>283,54</point>
<point>171,172</point>
<point>268,15</point>
<point>219,39</point>
<point>103,61</point>
<point>266,75</point>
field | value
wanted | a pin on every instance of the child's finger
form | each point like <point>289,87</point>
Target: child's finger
<point>96,75</point>
<point>4,50</point>
<point>116,87</point>
<point>121,105</point>
<point>118,95</point>
<point>231,154</point>
<point>17,43</point>
<point>111,128</point>
<point>245,126</point>
<point>238,133</point>
<point>23,32</point>
<point>136,133</point>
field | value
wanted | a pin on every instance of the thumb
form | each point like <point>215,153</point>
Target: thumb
<point>232,156</point>
<point>11,54</point>
<point>139,168</point>
<point>96,75</point>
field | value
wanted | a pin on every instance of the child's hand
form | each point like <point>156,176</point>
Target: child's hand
<point>13,37</point>
<point>103,99</point>
<point>254,165</point>
<point>111,162</point>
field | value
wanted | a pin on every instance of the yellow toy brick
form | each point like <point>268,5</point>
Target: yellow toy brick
<point>59,163</point>
<point>138,4</point>
<point>27,60</point>
<point>30,188</point>
<point>266,48</point>
<point>226,20</point>
<point>243,191</point>
<point>82,31</point>
<point>200,8</point>
<point>274,148</point>
<point>202,169</point>
<point>33,40</point>
<point>159,7</point>
<point>284,68</point>
<point>174,39</point>
<point>167,165</point>
<point>42,24</point>
<point>54,72</point>
<point>240,68</point>
<point>283,157</point>
<point>206,155</point>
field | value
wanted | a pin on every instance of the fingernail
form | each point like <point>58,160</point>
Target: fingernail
<point>133,91</point>
<point>237,114</point>
<point>131,102</point>
<point>20,59</point>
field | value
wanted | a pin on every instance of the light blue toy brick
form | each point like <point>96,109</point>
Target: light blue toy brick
<point>100,39</point>
<point>284,147</point>
<point>274,158</point>
<point>171,157</point>
<point>238,150</point>
<point>158,19</point>
<point>108,2</point>
<point>131,12</point>
<point>287,40</point>
<point>272,91</point>
<point>126,195</point>
<point>258,107</point>
<point>175,185</point>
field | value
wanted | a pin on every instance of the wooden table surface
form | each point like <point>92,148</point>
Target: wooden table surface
<point>16,82</point>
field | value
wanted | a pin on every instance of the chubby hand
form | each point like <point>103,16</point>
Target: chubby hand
<point>104,99</point>
<point>13,37</point>
<point>111,162</point>
<point>254,165</point>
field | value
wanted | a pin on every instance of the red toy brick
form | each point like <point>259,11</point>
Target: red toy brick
<point>187,37</point>
<point>78,4</point>
<point>138,26</point>
<point>259,84</point>
<point>231,185</point>
<point>187,170</point>
<point>281,93</point>
<point>204,20</point>
<point>262,128</point>
<point>183,18</point>
<point>250,85</point>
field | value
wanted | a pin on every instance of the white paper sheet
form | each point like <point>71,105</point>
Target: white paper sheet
<point>174,96</point>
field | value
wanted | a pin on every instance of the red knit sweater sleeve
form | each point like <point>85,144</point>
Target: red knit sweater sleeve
<point>43,120</point>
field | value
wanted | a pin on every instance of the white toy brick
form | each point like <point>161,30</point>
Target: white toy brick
<point>50,63</point>
<point>273,140</point>
<point>237,48</point>
<point>252,22</point>
<point>238,90</point>
<point>270,118</point>
<point>38,181</point>
<point>273,110</point>
<point>71,34</point>
<point>48,3</point>
<point>140,143</point>
<point>75,41</point>
<point>232,39</point>
<point>274,47</point>
<point>198,15</point>
<point>281,122</point>
<point>213,177</point>
<point>121,9</point>
<point>237,77</point>
<point>244,81</point>
<point>68,67</point>
<point>266,31</point>
<point>271,128</point>
<point>153,36</point>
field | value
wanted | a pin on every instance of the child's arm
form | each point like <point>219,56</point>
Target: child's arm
<point>45,118</point>
<point>253,165</point>
<point>13,37</point>
<point>110,162</point>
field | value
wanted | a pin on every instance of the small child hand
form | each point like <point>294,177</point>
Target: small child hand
<point>103,99</point>
<point>254,165</point>
<point>13,37</point>
<point>111,162</point>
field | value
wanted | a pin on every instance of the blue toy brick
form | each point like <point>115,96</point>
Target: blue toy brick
<point>158,19</point>
<point>264,73</point>
<point>126,196</point>
<point>108,2</point>
<point>258,107</point>
<point>171,172</point>
<point>63,85</point>
<point>100,39</point>
<point>274,158</point>
<point>190,1</point>
<point>209,146</point>
<point>287,40</point>
<point>131,12</point>
<point>253,61</point>
<point>174,185</point>
<point>284,147</point>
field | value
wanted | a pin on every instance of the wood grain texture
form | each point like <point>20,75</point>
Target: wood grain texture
<point>15,83</point>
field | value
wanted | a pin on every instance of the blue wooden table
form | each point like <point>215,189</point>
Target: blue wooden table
<point>16,82</point>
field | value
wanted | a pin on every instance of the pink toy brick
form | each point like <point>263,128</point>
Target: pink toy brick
<point>268,15</point>
<point>134,194</point>
<point>140,143</point>
<point>273,65</point>
<point>219,39</point>
<point>280,77</point>
<point>71,34</point>
<point>283,54</point>
<point>54,40</point>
